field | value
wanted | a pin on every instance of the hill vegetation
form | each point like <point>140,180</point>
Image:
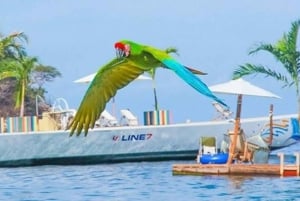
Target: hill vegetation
<point>22,78</point>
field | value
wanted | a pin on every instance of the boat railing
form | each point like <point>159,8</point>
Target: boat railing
<point>57,118</point>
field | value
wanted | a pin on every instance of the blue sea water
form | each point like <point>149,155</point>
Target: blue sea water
<point>138,181</point>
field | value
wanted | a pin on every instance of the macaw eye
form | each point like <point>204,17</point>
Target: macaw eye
<point>127,50</point>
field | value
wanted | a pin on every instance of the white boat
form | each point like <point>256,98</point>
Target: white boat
<point>132,143</point>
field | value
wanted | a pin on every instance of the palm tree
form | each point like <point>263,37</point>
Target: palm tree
<point>27,72</point>
<point>285,51</point>
<point>20,70</point>
<point>15,64</point>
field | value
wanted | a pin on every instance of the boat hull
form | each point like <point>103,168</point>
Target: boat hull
<point>121,144</point>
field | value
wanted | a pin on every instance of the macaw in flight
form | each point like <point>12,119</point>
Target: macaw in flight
<point>132,59</point>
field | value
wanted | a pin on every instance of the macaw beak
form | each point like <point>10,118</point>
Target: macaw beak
<point>120,53</point>
<point>122,50</point>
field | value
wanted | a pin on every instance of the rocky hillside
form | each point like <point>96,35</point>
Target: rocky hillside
<point>7,103</point>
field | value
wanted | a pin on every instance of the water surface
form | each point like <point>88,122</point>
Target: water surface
<point>138,181</point>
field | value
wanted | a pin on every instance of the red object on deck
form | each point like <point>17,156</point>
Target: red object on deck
<point>287,173</point>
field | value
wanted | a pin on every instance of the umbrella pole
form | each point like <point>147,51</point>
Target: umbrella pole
<point>236,129</point>
<point>155,95</point>
<point>271,125</point>
<point>113,106</point>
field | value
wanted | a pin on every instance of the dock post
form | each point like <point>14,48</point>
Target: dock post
<point>281,158</point>
<point>297,154</point>
<point>198,158</point>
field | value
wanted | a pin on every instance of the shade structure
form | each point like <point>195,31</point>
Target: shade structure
<point>86,79</point>
<point>89,78</point>
<point>239,87</point>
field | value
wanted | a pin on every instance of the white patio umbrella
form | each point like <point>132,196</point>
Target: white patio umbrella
<point>239,87</point>
<point>87,79</point>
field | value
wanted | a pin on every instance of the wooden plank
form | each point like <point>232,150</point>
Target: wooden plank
<point>232,169</point>
<point>241,169</point>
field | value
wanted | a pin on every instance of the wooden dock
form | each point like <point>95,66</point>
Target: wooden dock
<point>240,169</point>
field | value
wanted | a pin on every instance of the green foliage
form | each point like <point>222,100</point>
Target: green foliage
<point>285,51</point>
<point>249,69</point>
<point>11,46</point>
<point>28,72</point>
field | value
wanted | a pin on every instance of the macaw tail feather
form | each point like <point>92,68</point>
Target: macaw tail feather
<point>191,79</point>
<point>195,71</point>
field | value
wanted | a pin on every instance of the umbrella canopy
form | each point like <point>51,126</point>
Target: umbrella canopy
<point>89,78</point>
<point>240,86</point>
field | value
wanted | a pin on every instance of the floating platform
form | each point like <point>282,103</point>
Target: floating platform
<point>240,169</point>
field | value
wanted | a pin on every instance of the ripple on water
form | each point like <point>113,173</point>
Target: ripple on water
<point>137,181</point>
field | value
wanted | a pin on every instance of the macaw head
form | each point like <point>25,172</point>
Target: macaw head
<point>122,49</point>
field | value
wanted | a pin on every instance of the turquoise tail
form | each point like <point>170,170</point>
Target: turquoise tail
<point>191,79</point>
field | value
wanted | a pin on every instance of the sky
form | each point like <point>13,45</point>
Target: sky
<point>77,37</point>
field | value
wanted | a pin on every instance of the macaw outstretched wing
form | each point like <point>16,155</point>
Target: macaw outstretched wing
<point>186,74</point>
<point>111,77</point>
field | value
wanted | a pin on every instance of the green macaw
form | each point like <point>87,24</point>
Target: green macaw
<point>132,60</point>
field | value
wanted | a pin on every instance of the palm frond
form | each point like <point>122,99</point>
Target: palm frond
<point>293,35</point>
<point>275,50</point>
<point>284,51</point>
<point>263,46</point>
<point>250,69</point>
<point>12,45</point>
